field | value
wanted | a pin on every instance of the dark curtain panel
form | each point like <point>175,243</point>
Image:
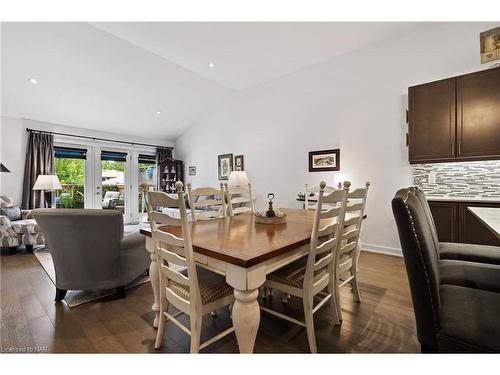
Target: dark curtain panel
<point>39,160</point>
<point>162,154</point>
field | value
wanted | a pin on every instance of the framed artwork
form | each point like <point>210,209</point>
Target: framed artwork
<point>490,45</point>
<point>239,164</point>
<point>225,163</point>
<point>324,161</point>
<point>192,170</point>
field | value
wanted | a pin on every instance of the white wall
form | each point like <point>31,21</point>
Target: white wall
<point>13,138</point>
<point>356,102</point>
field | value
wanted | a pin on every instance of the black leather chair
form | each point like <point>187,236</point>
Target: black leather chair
<point>456,299</point>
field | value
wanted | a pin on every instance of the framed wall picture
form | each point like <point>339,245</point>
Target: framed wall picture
<point>490,45</point>
<point>225,163</point>
<point>239,164</point>
<point>324,161</point>
<point>192,170</point>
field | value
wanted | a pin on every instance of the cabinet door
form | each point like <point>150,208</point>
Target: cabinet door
<point>478,114</point>
<point>472,230</point>
<point>432,121</point>
<point>445,216</point>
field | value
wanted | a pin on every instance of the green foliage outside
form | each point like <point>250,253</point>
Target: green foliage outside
<point>71,173</point>
<point>113,165</point>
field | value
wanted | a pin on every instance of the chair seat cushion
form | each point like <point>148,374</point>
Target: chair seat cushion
<point>293,274</point>
<point>25,226</point>
<point>468,319</point>
<point>469,252</point>
<point>212,286</point>
<point>482,276</point>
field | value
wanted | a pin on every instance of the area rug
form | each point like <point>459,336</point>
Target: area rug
<point>79,297</point>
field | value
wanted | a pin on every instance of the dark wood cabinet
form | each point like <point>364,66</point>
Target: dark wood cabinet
<point>472,230</point>
<point>455,119</point>
<point>432,121</point>
<point>170,171</point>
<point>478,115</point>
<point>445,216</point>
<point>455,223</point>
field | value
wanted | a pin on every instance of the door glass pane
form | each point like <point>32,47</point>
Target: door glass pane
<point>70,169</point>
<point>113,180</point>
<point>147,181</point>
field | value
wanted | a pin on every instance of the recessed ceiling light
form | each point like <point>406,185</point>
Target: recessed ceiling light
<point>158,112</point>
<point>211,65</point>
<point>33,81</point>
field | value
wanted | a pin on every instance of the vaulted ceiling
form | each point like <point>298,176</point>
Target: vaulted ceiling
<point>157,79</point>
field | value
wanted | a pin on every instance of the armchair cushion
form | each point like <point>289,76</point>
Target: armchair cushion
<point>25,226</point>
<point>470,274</point>
<point>469,252</point>
<point>469,320</point>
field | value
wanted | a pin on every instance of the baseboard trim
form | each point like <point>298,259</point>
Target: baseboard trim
<point>381,250</point>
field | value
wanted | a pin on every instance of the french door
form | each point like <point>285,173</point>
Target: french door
<point>112,185</point>
<point>97,176</point>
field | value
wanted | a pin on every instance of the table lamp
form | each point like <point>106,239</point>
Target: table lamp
<point>238,178</point>
<point>47,183</point>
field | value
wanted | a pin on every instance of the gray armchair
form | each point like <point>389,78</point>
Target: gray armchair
<point>89,249</point>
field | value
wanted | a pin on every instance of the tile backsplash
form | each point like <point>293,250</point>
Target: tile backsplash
<point>477,179</point>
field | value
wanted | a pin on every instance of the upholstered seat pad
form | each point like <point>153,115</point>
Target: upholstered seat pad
<point>469,319</point>
<point>212,286</point>
<point>470,274</point>
<point>25,226</point>
<point>469,252</point>
<point>293,274</point>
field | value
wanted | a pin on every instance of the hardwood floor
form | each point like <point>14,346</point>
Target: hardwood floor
<point>383,322</point>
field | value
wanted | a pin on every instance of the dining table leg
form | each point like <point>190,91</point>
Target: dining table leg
<point>246,318</point>
<point>155,280</point>
<point>246,310</point>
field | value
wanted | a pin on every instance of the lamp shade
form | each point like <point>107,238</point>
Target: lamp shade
<point>47,182</point>
<point>238,178</point>
<point>3,168</point>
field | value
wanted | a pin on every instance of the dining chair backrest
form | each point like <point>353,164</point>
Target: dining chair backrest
<point>312,205</point>
<point>326,231</point>
<point>206,202</point>
<point>173,252</point>
<point>241,197</point>
<point>355,210</point>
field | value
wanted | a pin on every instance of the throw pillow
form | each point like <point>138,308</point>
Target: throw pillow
<point>13,213</point>
<point>6,201</point>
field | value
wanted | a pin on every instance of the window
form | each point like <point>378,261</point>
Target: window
<point>147,181</point>
<point>70,169</point>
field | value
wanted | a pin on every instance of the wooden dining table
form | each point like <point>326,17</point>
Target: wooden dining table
<point>244,252</point>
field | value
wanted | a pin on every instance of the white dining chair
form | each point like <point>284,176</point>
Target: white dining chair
<point>239,199</point>
<point>347,269</point>
<point>307,277</point>
<point>192,290</point>
<point>206,202</point>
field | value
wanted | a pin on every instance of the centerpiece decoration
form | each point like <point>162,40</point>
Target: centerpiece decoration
<point>271,216</point>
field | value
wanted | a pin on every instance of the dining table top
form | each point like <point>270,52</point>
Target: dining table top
<point>240,241</point>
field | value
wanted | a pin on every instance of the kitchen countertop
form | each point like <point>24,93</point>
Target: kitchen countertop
<point>489,216</point>
<point>464,199</point>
